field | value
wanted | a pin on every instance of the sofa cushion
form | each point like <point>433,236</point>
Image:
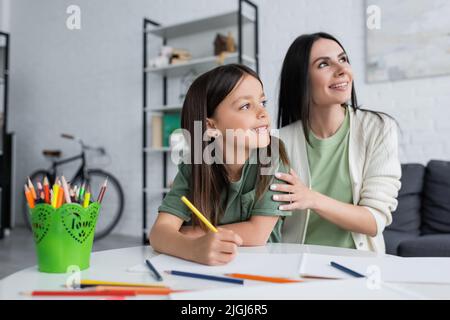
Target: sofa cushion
<point>407,216</point>
<point>393,238</point>
<point>436,198</point>
<point>434,245</point>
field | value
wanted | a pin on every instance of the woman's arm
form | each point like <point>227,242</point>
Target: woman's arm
<point>347,216</point>
<point>213,248</point>
<point>253,232</point>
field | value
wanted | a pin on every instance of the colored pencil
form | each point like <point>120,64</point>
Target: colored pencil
<point>39,190</point>
<point>81,293</point>
<point>31,187</point>
<point>102,191</point>
<point>46,190</point>
<point>346,270</point>
<point>29,197</point>
<point>66,189</point>
<point>75,191</point>
<point>60,199</point>
<point>198,214</point>
<point>87,197</point>
<point>261,278</point>
<point>139,290</point>
<point>55,195</point>
<point>119,284</point>
<point>153,270</point>
<point>81,193</point>
<point>205,276</point>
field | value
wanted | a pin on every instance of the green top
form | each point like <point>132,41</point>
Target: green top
<point>328,163</point>
<point>240,204</point>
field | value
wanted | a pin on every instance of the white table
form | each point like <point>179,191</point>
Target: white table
<point>112,265</point>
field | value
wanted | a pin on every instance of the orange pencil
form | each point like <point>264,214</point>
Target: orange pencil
<point>60,199</point>
<point>139,290</point>
<point>31,187</point>
<point>261,278</point>
<point>29,197</point>
<point>46,191</point>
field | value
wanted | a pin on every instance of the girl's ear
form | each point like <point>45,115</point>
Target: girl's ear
<point>211,130</point>
<point>210,124</point>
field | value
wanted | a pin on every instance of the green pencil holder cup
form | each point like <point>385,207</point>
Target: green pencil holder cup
<point>63,236</point>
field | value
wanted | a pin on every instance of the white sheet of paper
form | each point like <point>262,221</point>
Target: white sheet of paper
<point>275,265</point>
<point>412,270</point>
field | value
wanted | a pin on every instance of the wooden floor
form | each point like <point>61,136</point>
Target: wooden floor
<point>17,249</point>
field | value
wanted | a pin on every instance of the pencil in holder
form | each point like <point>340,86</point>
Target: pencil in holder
<point>63,236</point>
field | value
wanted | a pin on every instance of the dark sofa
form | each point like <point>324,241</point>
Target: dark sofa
<point>421,223</point>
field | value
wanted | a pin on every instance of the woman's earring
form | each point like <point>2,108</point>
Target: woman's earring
<point>213,133</point>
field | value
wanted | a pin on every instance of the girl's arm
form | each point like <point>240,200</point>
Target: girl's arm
<point>253,232</point>
<point>347,216</point>
<point>213,248</point>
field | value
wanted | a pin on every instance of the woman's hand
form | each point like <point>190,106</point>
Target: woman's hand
<point>216,248</point>
<point>299,196</point>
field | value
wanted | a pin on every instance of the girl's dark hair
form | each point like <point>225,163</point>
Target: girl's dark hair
<point>294,100</point>
<point>209,181</point>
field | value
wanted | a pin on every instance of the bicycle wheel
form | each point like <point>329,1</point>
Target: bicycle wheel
<point>35,177</point>
<point>112,204</point>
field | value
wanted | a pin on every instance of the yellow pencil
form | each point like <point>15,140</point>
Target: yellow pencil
<point>87,197</point>
<point>123,284</point>
<point>55,195</point>
<point>198,214</point>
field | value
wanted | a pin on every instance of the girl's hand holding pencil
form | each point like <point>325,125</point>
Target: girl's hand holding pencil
<point>216,248</point>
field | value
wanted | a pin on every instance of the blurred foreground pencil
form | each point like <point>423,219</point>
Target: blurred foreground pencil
<point>81,293</point>
<point>139,290</point>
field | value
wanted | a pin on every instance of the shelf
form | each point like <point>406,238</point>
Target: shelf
<point>200,25</point>
<point>173,108</point>
<point>200,65</point>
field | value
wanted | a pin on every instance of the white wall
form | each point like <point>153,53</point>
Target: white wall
<point>421,106</point>
<point>88,82</point>
<point>4,15</point>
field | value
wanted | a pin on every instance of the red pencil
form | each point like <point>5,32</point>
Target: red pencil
<point>81,293</point>
<point>102,191</point>
<point>46,190</point>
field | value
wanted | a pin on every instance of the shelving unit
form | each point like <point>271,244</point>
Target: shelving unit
<point>200,65</point>
<point>6,140</point>
<point>238,19</point>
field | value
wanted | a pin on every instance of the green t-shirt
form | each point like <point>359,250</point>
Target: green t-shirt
<point>239,203</point>
<point>328,163</point>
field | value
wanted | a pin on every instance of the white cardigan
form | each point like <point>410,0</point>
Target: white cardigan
<point>374,172</point>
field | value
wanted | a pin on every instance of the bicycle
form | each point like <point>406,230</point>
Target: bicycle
<point>113,201</point>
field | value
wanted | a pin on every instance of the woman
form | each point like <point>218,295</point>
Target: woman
<point>346,157</point>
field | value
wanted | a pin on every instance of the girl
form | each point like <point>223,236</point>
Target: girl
<point>228,103</point>
<point>346,157</point>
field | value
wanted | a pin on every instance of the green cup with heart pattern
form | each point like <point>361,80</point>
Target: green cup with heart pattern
<point>63,236</point>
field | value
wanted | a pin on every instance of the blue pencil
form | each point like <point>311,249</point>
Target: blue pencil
<point>153,269</point>
<point>205,276</point>
<point>347,270</point>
